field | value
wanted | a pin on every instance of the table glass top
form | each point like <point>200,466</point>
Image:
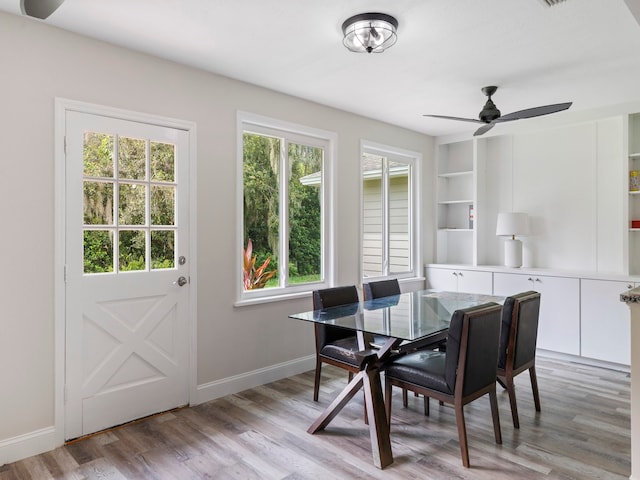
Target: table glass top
<point>409,316</point>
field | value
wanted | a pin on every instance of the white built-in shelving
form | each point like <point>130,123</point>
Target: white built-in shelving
<point>633,196</point>
<point>456,178</point>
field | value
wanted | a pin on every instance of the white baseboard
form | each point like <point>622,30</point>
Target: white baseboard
<point>46,439</point>
<point>28,444</point>
<point>584,360</point>
<point>238,383</point>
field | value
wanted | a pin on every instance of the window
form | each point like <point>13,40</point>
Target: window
<point>129,193</point>
<point>389,218</point>
<point>284,208</point>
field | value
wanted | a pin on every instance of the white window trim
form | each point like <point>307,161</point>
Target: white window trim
<point>416,161</point>
<point>259,123</point>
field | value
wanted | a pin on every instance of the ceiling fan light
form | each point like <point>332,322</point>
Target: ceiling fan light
<point>369,32</point>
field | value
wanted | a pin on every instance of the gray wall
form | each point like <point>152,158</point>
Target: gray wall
<point>40,63</point>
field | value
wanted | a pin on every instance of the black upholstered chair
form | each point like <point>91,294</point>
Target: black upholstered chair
<point>334,345</point>
<point>465,372</point>
<point>382,288</point>
<point>518,338</point>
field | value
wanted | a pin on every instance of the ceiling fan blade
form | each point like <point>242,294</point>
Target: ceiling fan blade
<point>534,112</point>
<point>39,8</point>
<point>455,118</point>
<point>483,129</point>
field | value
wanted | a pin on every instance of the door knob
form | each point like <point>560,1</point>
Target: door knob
<point>181,282</point>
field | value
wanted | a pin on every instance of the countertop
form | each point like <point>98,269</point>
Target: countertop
<point>631,296</point>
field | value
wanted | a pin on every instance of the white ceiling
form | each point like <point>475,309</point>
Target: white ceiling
<point>585,51</point>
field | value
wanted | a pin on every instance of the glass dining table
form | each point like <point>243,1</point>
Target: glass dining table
<point>405,322</point>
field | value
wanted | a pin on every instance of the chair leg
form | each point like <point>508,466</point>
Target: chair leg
<point>534,387</point>
<point>462,434</point>
<point>493,399</point>
<point>511,389</point>
<point>405,400</point>
<point>316,383</point>
<point>502,384</point>
<point>426,406</point>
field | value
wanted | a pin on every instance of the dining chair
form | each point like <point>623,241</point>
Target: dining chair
<point>381,288</point>
<point>334,345</point>
<point>517,352</point>
<point>465,372</point>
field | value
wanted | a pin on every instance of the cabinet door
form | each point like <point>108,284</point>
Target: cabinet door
<point>471,281</point>
<point>605,332</point>
<point>443,279</point>
<point>559,324</point>
<point>505,284</point>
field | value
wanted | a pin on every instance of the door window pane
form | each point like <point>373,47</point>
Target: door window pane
<point>98,251</point>
<point>162,162</point>
<point>98,155</point>
<point>132,250</point>
<point>305,213</point>
<point>140,201</point>
<point>162,249</point>
<point>132,200</point>
<point>98,203</point>
<point>162,205</point>
<point>132,155</point>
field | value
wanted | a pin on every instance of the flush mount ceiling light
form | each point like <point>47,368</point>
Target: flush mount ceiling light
<point>369,32</point>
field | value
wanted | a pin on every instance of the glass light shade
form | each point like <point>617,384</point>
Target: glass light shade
<point>512,223</point>
<point>369,32</point>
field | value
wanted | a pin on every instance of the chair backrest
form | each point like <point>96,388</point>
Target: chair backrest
<point>332,297</point>
<point>383,288</point>
<point>519,333</point>
<point>472,348</point>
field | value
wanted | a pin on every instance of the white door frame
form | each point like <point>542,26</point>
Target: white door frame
<point>63,105</point>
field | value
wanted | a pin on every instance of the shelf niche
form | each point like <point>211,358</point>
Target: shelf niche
<point>456,203</point>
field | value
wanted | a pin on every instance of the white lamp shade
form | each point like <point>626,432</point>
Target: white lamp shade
<point>512,223</point>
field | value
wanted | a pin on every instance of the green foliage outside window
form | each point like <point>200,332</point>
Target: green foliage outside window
<point>261,177</point>
<point>99,202</point>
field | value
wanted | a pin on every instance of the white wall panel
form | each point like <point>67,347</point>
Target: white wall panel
<point>555,183</point>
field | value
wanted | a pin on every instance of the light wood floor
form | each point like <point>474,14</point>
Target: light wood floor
<point>583,432</point>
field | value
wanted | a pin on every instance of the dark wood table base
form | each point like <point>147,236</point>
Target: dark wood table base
<point>369,379</point>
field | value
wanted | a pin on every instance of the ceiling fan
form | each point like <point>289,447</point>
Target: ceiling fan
<point>39,8</point>
<point>490,115</point>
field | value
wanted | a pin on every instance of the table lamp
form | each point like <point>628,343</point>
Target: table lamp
<point>511,224</point>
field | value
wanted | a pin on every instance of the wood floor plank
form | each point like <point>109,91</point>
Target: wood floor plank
<point>582,433</point>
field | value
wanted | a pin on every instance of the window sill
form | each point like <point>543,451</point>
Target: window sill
<point>275,298</point>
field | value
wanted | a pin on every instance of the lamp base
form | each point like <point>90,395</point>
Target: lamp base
<point>513,253</point>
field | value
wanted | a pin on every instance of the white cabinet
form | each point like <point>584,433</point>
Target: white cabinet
<point>605,321</point>
<point>559,324</point>
<point>458,280</point>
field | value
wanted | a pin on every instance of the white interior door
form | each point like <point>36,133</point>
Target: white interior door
<point>127,271</point>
